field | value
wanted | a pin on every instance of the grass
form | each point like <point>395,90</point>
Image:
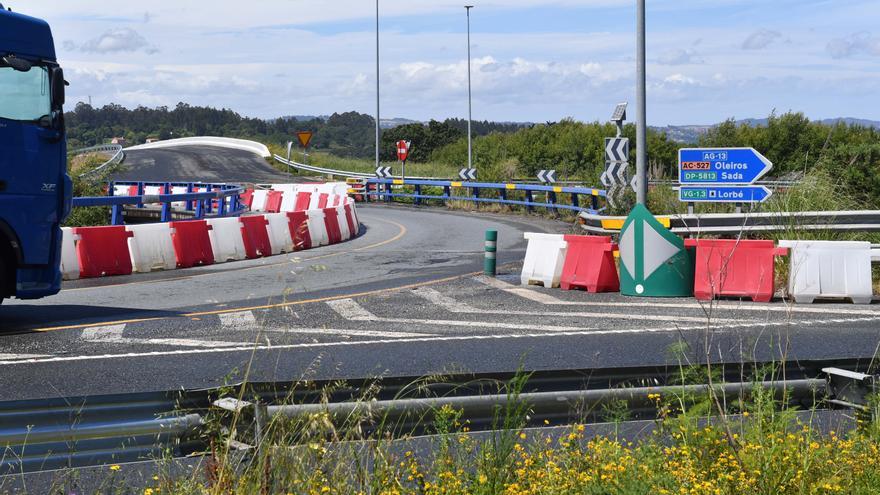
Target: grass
<point>757,446</point>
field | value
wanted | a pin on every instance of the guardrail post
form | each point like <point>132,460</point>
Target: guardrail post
<point>200,209</point>
<point>447,192</point>
<point>140,191</point>
<point>529,200</point>
<point>221,204</point>
<point>418,192</point>
<point>209,203</point>
<point>388,192</point>
<point>110,188</point>
<point>116,217</point>
<point>166,205</point>
<point>594,202</point>
<point>475,193</point>
<point>502,193</point>
<point>189,203</point>
<point>489,256</point>
<point>575,200</point>
<point>234,203</point>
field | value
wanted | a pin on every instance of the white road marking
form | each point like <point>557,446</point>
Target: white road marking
<point>434,296</point>
<point>13,357</point>
<point>454,306</point>
<point>186,352</point>
<point>238,320</point>
<point>351,310</point>
<point>105,333</point>
<point>347,333</point>
<point>786,307</point>
<point>112,334</point>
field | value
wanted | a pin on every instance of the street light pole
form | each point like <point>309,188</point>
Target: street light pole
<point>641,122</point>
<point>467,9</point>
<point>377,84</point>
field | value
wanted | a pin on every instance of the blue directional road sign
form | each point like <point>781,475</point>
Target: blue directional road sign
<point>721,165</point>
<point>724,194</point>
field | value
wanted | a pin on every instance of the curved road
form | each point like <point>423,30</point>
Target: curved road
<point>198,164</point>
<point>403,299</point>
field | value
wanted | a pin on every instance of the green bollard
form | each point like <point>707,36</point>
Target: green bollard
<point>491,244</point>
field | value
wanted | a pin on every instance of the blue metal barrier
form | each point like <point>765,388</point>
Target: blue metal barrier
<point>504,191</point>
<point>225,196</point>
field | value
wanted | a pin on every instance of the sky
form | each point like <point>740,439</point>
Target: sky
<point>532,60</point>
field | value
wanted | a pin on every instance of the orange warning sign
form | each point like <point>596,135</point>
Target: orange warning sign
<point>304,137</point>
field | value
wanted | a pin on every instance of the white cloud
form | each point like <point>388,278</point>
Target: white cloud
<point>114,41</point>
<point>679,56</point>
<point>760,39</point>
<point>854,44</point>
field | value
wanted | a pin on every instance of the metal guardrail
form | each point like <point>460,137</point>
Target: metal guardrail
<point>338,173</point>
<point>115,150</point>
<point>38,435</point>
<point>735,223</point>
<point>222,200</point>
<point>43,434</point>
<point>504,189</point>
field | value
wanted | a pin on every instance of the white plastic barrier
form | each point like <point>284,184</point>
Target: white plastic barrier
<point>226,240</point>
<point>315,198</point>
<point>317,228</point>
<point>260,197</point>
<point>545,256</point>
<point>279,233</point>
<point>288,201</point>
<point>830,269</point>
<point>178,190</point>
<point>121,190</point>
<point>151,247</point>
<point>344,231</point>
<point>69,260</point>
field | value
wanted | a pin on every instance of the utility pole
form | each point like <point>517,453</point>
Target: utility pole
<point>641,122</point>
<point>467,9</point>
<point>377,84</point>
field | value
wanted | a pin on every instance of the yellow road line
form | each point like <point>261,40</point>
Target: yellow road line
<point>402,232</point>
<point>265,306</point>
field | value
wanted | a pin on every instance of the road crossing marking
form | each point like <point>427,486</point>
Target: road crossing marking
<point>347,333</point>
<point>434,296</point>
<point>240,319</point>
<point>112,334</point>
<point>456,307</point>
<point>543,298</point>
<point>351,310</point>
<point>19,357</point>
<point>456,338</point>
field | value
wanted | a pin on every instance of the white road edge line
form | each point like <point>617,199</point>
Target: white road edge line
<point>250,348</point>
<point>543,298</point>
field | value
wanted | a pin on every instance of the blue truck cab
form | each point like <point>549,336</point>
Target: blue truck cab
<point>35,190</point>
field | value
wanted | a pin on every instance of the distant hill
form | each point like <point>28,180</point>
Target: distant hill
<point>692,133</point>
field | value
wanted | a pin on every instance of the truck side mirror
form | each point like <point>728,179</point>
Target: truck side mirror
<point>57,84</point>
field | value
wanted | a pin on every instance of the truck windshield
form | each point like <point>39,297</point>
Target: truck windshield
<point>24,95</point>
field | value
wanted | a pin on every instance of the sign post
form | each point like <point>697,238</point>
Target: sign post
<point>289,146</point>
<point>304,137</point>
<point>402,154</point>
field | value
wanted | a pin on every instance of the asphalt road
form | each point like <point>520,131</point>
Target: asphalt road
<point>198,163</point>
<point>403,299</point>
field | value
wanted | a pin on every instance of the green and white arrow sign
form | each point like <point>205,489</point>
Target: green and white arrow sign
<point>654,261</point>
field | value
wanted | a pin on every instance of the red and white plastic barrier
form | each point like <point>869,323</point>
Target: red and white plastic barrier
<point>117,250</point>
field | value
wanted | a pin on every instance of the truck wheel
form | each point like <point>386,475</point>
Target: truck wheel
<point>3,293</point>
